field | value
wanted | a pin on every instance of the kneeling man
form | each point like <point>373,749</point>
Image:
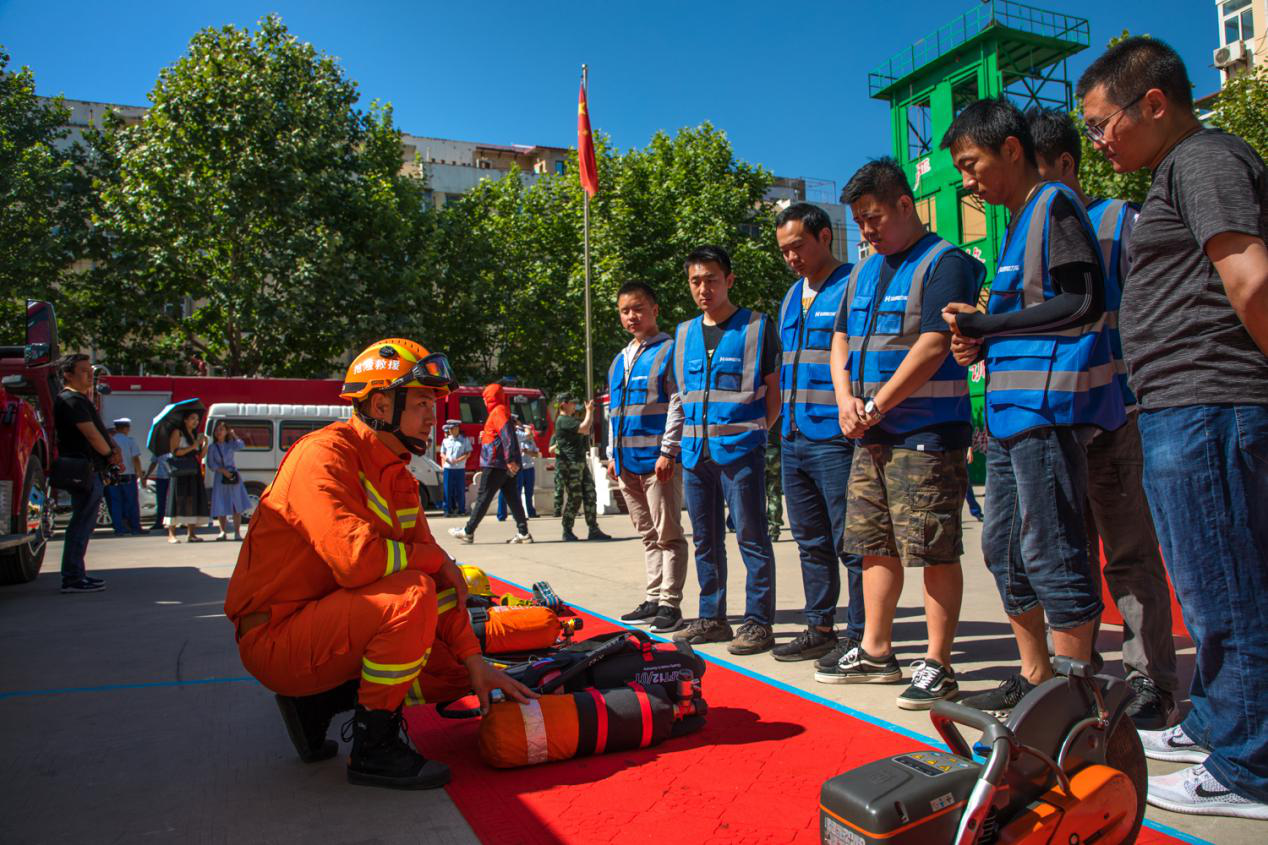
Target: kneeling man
<point>341,596</point>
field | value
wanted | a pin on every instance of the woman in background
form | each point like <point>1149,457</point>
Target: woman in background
<point>228,493</point>
<point>186,495</point>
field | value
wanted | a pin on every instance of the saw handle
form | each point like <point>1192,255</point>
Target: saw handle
<point>946,713</point>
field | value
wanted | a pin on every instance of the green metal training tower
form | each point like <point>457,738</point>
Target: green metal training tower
<point>997,47</point>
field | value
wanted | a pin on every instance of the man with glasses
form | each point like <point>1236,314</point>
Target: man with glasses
<point>1194,327</point>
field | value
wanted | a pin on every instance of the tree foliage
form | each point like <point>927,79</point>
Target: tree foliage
<point>42,195</point>
<point>253,216</point>
<point>1242,108</point>
<point>525,242</point>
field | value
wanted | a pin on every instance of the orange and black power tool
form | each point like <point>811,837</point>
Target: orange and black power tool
<point>1067,767</point>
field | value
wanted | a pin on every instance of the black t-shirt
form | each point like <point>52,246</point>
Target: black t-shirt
<point>955,277</point>
<point>70,409</point>
<point>770,341</point>
<point>1184,343</point>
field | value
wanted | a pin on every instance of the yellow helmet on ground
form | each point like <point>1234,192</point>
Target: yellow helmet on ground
<point>477,581</point>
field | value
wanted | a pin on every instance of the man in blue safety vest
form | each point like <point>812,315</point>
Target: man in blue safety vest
<point>899,391</point>
<point>814,454</point>
<point>644,453</point>
<point>726,369</point>
<point>1115,460</point>
<point>1051,385</point>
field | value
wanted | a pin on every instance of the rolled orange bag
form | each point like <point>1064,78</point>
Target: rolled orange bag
<point>577,724</point>
<point>508,629</point>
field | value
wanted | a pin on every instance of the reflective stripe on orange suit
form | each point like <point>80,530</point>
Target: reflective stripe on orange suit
<point>341,559</point>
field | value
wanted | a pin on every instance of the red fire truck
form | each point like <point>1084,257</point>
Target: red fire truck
<point>28,383</point>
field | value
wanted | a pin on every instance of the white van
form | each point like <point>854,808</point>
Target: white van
<point>267,431</point>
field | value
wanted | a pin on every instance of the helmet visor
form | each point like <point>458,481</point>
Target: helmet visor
<point>433,371</point>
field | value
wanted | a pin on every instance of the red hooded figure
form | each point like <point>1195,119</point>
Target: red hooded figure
<point>499,444</point>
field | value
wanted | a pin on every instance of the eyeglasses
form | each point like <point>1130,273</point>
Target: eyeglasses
<point>1096,131</point>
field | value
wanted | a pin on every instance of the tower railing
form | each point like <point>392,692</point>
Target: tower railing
<point>977,20</point>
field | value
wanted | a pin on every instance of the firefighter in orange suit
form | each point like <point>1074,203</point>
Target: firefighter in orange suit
<point>341,596</point>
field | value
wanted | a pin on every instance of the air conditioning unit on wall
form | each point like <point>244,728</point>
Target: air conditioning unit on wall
<point>1230,54</point>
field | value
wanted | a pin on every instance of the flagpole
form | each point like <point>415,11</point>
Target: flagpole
<point>585,84</point>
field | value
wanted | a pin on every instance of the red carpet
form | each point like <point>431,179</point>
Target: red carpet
<point>752,775</point>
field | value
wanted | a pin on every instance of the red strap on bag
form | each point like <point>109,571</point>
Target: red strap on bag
<point>601,721</point>
<point>645,709</point>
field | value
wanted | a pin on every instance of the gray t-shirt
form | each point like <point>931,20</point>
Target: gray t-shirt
<point>1183,342</point>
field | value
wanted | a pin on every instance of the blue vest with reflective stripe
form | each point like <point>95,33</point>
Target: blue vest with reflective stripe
<point>723,399</point>
<point>805,375</point>
<point>1108,217</point>
<point>1063,377</point>
<point>638,405</point>
<point>882,333</point>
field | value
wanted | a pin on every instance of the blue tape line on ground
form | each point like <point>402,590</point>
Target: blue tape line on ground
<point>113,687</point>
<point>841,708</point>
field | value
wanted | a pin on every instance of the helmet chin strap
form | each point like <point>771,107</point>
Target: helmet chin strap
<point>413,444</point>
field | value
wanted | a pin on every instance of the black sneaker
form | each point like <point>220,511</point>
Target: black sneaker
<point>569,537</point>
<point>859,667</point>
<point>1000,701</point>
<point>832,658</point>
<point>752,638</point>
<point>1152,709</point>
<point>704,631</point>
<point>596,534</point>
<point>643,613</point>
<point>83,585</point>
<point>307,719</point>
<point>92,580</point>
<point>930,682</point>
<point>667,619</point>
<point>810,644</point>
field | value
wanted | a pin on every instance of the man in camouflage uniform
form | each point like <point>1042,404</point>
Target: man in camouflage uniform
<point>774,486</point>
<point>572,469</point>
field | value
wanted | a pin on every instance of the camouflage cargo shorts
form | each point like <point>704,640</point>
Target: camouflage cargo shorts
<point>906,503</point>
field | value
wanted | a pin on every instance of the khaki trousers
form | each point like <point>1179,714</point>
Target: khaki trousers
<point>656,510</point>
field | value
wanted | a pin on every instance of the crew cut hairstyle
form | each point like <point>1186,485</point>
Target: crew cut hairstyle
<point>988,123</point>
<point>707,253</point>
<point>638,287</point>
<point>813,218</point>
<point>1055,133</point>
<point>882,178</point>
<point>66,364</point>
<point>1133,66</point>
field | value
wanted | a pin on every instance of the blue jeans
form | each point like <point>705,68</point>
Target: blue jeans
<point>1035,538</point>
<point>83,518</point>
<point>815,476</point>
<point>129,505</point>
<point>525,479</point>
<point>971,498</point>
<point>742,485</point>
<point>1206,475</point>
<point>160,500</point>
<point>114,504</point>
<point>455,484</point>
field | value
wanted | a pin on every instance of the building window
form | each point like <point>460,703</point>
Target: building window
<point>919,129</point>
<point>972,219</point>
<point>560,168</point>
<point>1238,19</point>
<point>963,93</point>
<point>927,211</point>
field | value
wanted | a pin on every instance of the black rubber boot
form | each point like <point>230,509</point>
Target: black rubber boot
<point>307,718</point>
<point>382,754</point>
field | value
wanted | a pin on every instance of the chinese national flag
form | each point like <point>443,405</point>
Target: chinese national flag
<point>585,146</point>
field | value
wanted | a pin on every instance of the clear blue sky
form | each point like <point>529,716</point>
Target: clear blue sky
<point>787,81</point>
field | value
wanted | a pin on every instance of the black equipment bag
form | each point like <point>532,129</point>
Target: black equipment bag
<point>74,475</point>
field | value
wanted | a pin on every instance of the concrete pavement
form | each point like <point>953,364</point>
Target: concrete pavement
<point>127,716</point>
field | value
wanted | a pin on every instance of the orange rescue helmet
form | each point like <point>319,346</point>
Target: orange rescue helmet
<point>396,362</point>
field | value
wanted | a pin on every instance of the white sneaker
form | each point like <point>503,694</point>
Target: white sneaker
<point>1196,791</point>
<point>519,538</point>
<point>461,534</point>
<point>1172,745</point>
